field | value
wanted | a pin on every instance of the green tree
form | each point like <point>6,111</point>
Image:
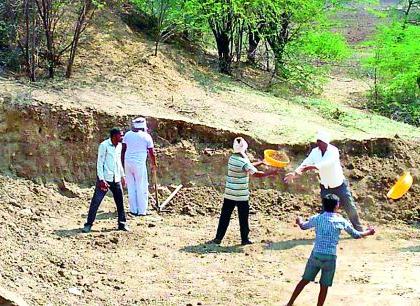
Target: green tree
<point>167,17</point>
<point>285,24</point>
<point>395,64</point>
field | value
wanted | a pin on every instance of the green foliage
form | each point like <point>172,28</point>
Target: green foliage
<point>299,35</point>
<point>4,36</point>
<point>297,31</point>
<point>323,45</point>
<point>168,12</point>
<point>7,26</point>
<point>396,62</point>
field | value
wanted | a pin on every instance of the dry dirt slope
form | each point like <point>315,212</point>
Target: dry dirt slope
<point>115,72</point>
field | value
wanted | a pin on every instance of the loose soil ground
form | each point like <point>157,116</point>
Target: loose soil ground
<point>163,261</point>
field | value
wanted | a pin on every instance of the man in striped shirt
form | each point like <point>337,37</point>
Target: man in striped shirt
<point>328,226</point>
<point>237,190</point>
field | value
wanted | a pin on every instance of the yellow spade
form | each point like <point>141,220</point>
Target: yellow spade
<point>276,159</point>
<point>401,186</point>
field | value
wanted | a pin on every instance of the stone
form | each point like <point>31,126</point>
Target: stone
<point>38,180</point>
<point>15,203</point>
<point>10,299</point>
<point>26,212</point>
<point>65,190</point>
<point>75,291</point>
<point>356,174</point>
<point>368,200</point>
<point>388,217</point>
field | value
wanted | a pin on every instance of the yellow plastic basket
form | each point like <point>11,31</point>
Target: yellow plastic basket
<point>401,186</point>
<point>268,157</point>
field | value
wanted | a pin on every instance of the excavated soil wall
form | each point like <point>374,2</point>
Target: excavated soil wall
<point>46,143</point>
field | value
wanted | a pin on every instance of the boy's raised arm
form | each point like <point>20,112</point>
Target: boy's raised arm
<point>306,225</point>
<point>356,234</point>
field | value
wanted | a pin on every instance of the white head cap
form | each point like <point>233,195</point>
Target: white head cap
<point>324,136</point>
<point>240,146</point>
<point>139,123</point>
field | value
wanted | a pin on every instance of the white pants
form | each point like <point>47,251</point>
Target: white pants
<point>137,185</point>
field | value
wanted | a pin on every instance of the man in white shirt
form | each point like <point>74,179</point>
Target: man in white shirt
<point>136,146</point>
<point>325,159</point>
<point>110,175</point>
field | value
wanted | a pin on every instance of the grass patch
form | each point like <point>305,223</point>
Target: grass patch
<point>357,119</point>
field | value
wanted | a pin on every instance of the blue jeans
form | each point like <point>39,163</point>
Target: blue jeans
<point>99,195</point>
<point>346,201</point>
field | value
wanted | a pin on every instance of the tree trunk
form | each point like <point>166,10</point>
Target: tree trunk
<point>83,19</point>
<point>81,23</point>
<point>278,50</point>
<point>239,39</point>
<point>225,57</point>
<point>29,46</point>
<point>157,44</point>
<point>45,8</point>
<point>278,45</point>
<point>253,41</point>
<point>407,11</point>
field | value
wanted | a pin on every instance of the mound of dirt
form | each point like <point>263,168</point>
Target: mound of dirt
<point>371,175</point>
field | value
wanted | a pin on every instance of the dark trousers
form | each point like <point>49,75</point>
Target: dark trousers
<point>346,201</point>
<point>227,209</point>
<point>99,195</point>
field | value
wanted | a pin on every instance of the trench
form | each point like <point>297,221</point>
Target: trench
<point>46,143</point>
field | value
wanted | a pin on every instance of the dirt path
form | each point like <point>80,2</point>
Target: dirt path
<point>347,91</point>
<point>163,260</point>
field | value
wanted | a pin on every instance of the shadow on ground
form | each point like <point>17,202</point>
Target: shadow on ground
<point>415,248</point>
<point>287,244</point>
<point>204,248</point>
<point>68,232</point>
<point>64,233</point>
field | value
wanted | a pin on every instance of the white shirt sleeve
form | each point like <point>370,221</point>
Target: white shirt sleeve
<point>101,161</point>
<point>309,161</point>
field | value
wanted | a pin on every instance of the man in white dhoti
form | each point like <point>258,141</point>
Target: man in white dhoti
<point>137,145</point>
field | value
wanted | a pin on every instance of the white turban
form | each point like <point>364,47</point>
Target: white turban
<point>240,146</point>
<point>324,136</point>
<point>139,123</point>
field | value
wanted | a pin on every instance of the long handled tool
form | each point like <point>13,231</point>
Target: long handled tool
<point>156,205</point>
<point>170,197</point>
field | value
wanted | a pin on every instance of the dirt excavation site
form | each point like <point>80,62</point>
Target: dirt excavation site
<point>47,163</point>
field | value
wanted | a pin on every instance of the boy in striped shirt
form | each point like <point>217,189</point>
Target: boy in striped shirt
<point>328,226</point>
<point>237,190</point>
